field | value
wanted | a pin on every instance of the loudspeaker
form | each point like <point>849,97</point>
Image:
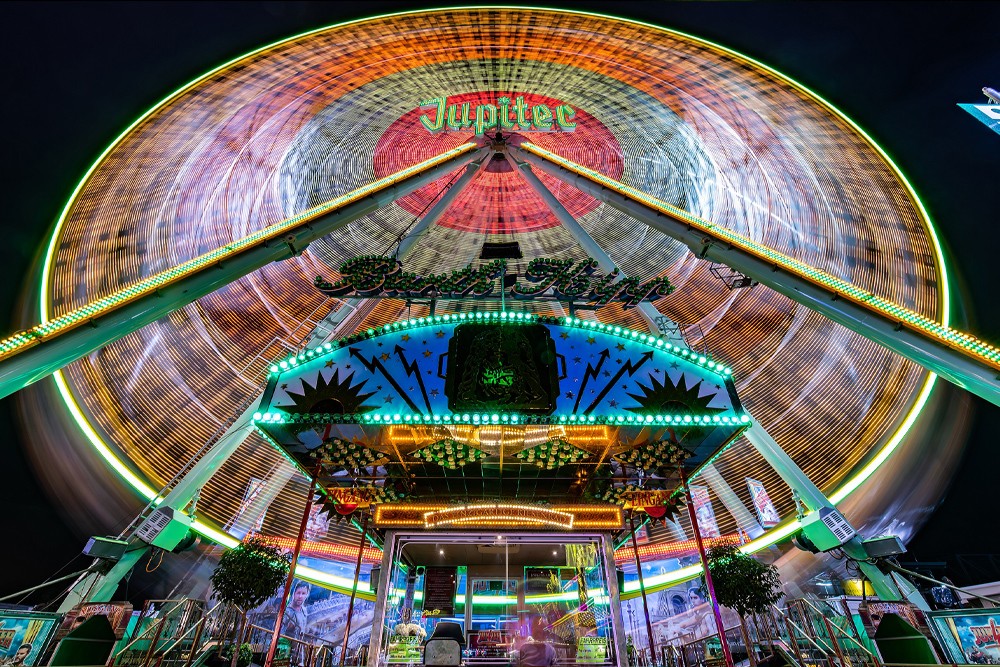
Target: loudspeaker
<point>106,548</point>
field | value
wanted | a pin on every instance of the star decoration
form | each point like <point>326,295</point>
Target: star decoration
<point>348,367</point>
<point>378,388</point>
<point>577,360</point>
<point>675,365</point>
<point>423,342</point>
<point>613,403</point>
<point>427,353</point>
<point>618,361</point>
<point>591,340</point>
<point>440,333</point>
<point>405,338</point>
<point>385,356</point>
<point>284,386</point>
<point>434,393</point>
<point>620,347</point>
<point>328,364</point>
<point>607,374</point>
<point>387,399</point>
<point>564,335</point>
<point>380,343</point>
<point>569,394</point>
<point>657,370</point>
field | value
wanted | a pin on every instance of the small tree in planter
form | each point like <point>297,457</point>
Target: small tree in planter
<point>247,576</point>
<point>743,583</point>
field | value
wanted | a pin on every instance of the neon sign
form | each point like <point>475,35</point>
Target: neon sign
<point>562,279</point>
<point>519,116</point>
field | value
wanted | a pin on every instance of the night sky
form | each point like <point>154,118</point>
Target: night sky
<point>77,73</point>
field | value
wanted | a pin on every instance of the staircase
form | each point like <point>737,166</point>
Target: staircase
<point>182,635</point>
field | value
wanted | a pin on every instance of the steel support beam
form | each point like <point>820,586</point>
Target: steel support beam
<point>649,312</point>
<point>38,352</point>
<point>841,302</point>
<point>442,205</point>
<point>884,585</point>
<point>327,328</point>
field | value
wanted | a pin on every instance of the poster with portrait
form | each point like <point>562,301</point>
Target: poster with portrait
<point>766,512</point>
<point>969,636</point>
<point>24,636</point>
<point>707,525</point>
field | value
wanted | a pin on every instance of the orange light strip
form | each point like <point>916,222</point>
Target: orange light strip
<point>326,550</point>
<point>648,552</point>
<point>595,517</point>
<point>493,514</point>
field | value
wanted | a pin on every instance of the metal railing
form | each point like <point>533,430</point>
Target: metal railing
<point>173,620</point>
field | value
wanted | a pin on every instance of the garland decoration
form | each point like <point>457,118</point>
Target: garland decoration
<point>654,456</point>
<point>552,454</point>
<point>450,454</point>
<point>337,453</point>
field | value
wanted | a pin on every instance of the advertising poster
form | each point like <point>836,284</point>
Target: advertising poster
<point>439,591</point>
<point>707,525</point>
<point>118,614</point>
<point>766,513</point>
<point>24,636</point>
<point>969,636</point>
<point>591,650</point>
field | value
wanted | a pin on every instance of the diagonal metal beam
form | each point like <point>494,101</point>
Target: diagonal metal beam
<point>650,314</point>
<point>329,325</point>
<point>433,215</point>
<point>956,356</point>
<point>31,355</point>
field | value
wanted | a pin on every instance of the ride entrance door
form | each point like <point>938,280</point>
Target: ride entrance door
<point>510,599</point>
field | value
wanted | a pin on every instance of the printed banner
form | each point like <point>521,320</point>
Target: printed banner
<point>707,525</point>
<point>766,513</point>
<point>969,635</point>
<point>24,635</point>
<point>987,114</point>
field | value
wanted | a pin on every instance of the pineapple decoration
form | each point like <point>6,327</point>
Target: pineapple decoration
<point>336,453</point>
<point>653,456</point>
<point>552,454</point>
<point>449,454</point>
<point>383,494</point>
<point>616,494</point>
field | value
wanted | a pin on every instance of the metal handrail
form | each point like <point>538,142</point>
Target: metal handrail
<point>199,624</point>
<point>159,622</point>
<point>845,635</point>
<point>805,635</point>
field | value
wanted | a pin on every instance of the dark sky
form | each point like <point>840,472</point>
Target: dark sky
<point>77,73</point>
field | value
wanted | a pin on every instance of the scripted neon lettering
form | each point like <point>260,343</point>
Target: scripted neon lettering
<point>563,279</point>
<point>443,117</point>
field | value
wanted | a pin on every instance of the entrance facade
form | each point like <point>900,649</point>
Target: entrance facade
<point>518,597</point>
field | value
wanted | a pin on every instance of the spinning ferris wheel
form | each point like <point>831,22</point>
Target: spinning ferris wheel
<point>649,150</point>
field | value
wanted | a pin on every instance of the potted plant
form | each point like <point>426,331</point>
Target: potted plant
<point>245,577</point>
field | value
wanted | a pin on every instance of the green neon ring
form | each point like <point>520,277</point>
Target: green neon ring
<point>653,583</point>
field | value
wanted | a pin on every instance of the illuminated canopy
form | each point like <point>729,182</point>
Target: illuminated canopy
<point>512,387</point>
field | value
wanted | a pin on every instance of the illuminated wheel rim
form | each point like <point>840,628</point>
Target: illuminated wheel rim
<point>305,119</point>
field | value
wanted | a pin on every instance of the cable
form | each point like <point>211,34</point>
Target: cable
<point>49,578</point>
<point>158,563</point>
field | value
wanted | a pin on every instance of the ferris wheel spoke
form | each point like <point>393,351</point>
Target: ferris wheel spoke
<point>956,356</point>
<point>30,355</point>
